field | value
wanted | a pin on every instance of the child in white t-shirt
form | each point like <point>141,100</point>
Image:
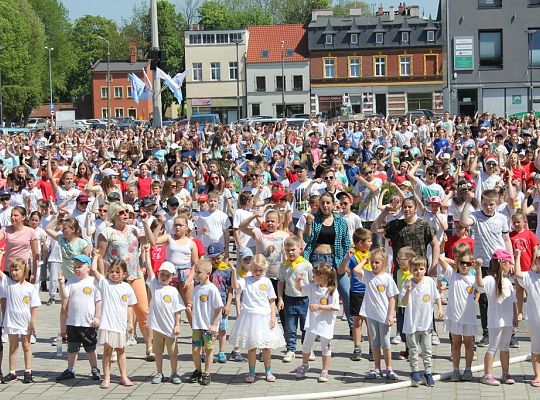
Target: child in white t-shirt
<point>417,296</point>
<point>22,301</point>
<point>321,318</point>
<point>118,299</point>
<point>379,307</point>
<point>206,314</point>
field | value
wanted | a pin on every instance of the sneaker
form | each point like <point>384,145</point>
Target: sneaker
<point>9,377</point>
<point>370,356</point>
<point>467,375</point>
<point>435,341</point>
<point>158,378</point>
<point>415,379</point>
<point>54,341</point>
<point>125,382</point>
<point>175,379</point>
<point>96,374</point>
<point>222,358</point>
<point>236,356</point>
<point>270,377</point>
<point>489,380</point>
<point>50,301</point>
<point>323,377</point>
<point>403,355</point>
<point>456,376</point>
<point>33,339</point>
<point>28,378</point>
<point>514,343</point>
<point>205,379</point>
<point>288,357</point>
<point>312,356</point>
<point>483,342</point>
<point>396,340</point>
<point>391,375</point>
<point>508,380</point>
<point>356,355</point>
<point>249,378</point>
<point>300,372</point>
<point>195,376</point>
<point>428,379</point>
<point>65,375</point>
<point>373,374</point>
<point>131,341</point>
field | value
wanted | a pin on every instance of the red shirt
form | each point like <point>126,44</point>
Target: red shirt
<point>144,186</point>
<point>453,241</point>
<point>200,247</point>
<point>46,189</point>
<point>525,242</point>
<point>158,255</point>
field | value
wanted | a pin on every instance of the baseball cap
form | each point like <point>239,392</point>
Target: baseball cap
<point>113,196</point>
<point>245,253</point>
<point>108,172</point>
<point>502,255</point>
<point>203,197</point>
<point>215,249</point>
<point>406,183</point>
<point>173,201</point>
<point>348,195</point>
<point>148,201</point>
<point>434,199</point>
<point>167,266</point>
<point>174,146</point>
<point>302,166</point>
<point>82,199</point>
<point>83,258</point>
<point>5,193</point>
<point>278,195</point>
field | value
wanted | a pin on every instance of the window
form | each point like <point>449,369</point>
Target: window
<point>208,38</point>
<point>233,70</point>
<point>329,67</point>
<point>118,112</point>
<point>298,83</point>
<point>132,112</point>
<point>118,92</point>
<point>404,65</point>
<point>104,113</point>
<point>489,3</point>
<point>260,84</point>
<point>490,48</point>
<point>404,37</point>
<point>280,81</point>
<point>329,39</point>
<point>354,67</point>
<point>535,48</point>
<point>235,36</point>
<point>222,38</point>
<point>534,3</point>
<point>264,53</point>
<point>430,36</point>
<point>128,91</point>
<point>380,66</point>
<point>354,38</point>
<point>289,53</point>
<point>195,39</point>
<point>197,71</point>
<point>379,38</point>
<point>215,71</point>
<point>255,110</point>
<point>104,92</point>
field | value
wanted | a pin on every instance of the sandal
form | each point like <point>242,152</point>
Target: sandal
<point>249,379</point>
<point>150,357</point>
<point>535,382</point>
<point>270,377</point>
<point>105,383</point>
<point>126,382</point>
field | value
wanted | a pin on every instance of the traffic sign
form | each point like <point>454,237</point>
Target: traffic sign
<point>51,107</point>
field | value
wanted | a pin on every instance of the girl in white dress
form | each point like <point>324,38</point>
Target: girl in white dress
<point>256,325</point>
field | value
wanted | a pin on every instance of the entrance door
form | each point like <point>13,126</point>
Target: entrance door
<point>380,103</point>
<point>468,101</point>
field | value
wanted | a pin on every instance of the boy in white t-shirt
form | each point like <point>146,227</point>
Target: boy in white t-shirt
<point>417,296</point>
<point>83,316</point>
<point>206,315</point>
<point>213,225</point>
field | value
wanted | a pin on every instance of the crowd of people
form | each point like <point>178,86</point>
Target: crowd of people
<point>381,222</point>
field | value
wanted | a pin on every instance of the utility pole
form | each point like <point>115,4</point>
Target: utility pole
<point>49,49</point>
<point>156,103</point>
<point>530,34</point>
<point>108,80</point>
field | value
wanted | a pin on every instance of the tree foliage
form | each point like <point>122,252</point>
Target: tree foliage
<point>218,15</point>
<point>341,7</point>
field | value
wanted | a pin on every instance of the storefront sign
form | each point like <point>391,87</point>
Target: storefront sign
<point>201,102</point>
<point>331,98</point>
<point>463,53</point>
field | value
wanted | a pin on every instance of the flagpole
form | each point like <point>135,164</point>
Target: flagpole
<point>156,97</point>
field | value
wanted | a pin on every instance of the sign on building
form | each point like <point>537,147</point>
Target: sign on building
<point>463,53</point>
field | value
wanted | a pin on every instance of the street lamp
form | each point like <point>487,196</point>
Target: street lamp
<point>530,33</point>
<point>1,100</point>
<point>108,80</point>
<point>49,49</point>
<point>283,114</point>
<point>237,41</point>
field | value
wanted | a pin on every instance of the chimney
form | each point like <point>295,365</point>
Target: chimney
<point>401,8</point>
<point>391,13</point>
<point>132,53</point>
<point>381,10</point>
<point>321,13</point>
<point>354,11</point>
<point>414,11</point>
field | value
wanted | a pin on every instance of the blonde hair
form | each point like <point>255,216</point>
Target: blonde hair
<point>260,261</point>
<point>407,252</point>
<point>381,253</point>
<point>20,263</point>
<point>292,241</point>
<point>326,270</point>
<point>114,208</point>
<point>204,265</point>
<point>418,262</point>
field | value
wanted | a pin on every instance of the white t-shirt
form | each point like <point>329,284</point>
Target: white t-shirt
<point>165,303</point>
<point>487,233</point>
<point>34,195</point>
<point>116,298</point>
<point>485,182</point>
<point>206,299</point>
<point>432,221</point>
<point>461,305</point>
<point>240,216</point>
<point>353,223</point>
<point>531,283</point>
<point>256,294</point>
<point>501,307</point>
<point>83,296</point>
<point>419,310</point>
<point>215,223</point>
<point>321,322</point>
<point>300,205</point>
<point>19,300</point>
<point>62,195</point>
<point>379,288</point>
<point>369,199</point>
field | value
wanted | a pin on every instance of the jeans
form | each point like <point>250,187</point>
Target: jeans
<point>296,309</point>
<point>344,282</point>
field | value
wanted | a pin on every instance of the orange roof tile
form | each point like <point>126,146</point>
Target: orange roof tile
<point>268,38</point>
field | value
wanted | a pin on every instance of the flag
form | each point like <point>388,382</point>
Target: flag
<point>179,79</point>
<point>148,82</point>
<point>171,83</point>
<point>138,87</point>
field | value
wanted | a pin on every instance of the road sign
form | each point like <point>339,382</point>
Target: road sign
<point>51,107</point>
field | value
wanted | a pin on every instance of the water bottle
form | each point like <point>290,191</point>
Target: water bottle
<point>59,350</point>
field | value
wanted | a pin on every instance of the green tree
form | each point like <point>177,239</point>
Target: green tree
<point>297,11</point>
<point>217,15</point>
<point>341,7</point>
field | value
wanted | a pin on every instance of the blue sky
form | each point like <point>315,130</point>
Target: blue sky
<point>118,9</point>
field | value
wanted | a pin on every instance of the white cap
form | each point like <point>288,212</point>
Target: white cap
<point>109,172</point>
<point>167,266</point>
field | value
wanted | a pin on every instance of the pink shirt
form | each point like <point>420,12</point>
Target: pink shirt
<point>18,243</point>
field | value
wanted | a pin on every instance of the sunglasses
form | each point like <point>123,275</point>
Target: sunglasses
<point>179,225</point>
<point>329,178</point>
<point>466,263</point>
<point>214,177</point>
<point>122,212</point>
<point>254,175</point>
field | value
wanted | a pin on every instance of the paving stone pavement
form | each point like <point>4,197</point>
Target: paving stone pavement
<point>227,379</point>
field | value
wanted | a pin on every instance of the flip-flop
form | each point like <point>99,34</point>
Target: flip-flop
<point>535,383</point>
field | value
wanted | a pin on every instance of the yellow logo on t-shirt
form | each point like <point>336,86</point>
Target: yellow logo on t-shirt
<point>203,298</point>
<point>87,290</point>
<point>125,298</point>
<point>426,298</point>
<point>167,299</point>
<point>324,301</point>
<point>26,299</point>
<point>263,287</point>
<point>381,288</point>
<point>469,289</point>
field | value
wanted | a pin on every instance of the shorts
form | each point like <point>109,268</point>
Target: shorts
<point>160,341</point>
<point>181,275</point>
<point>355,303</point>
<point>203,338</point>
<point>224,323</point>
<point>77,336</point>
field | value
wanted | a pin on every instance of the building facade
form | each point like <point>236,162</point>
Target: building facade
<point>493,49</point>
<point>216,78</point>
<point>277,70</point>
<point>121,101</point>
<point>389,63</point>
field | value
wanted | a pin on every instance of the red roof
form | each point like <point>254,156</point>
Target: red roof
<point>267,39</point>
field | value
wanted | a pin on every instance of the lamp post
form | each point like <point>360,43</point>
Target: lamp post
<point>108,80</point>
<point>237,42</point>
<point>283,114</point>
<point>1,99</point>
<point>49,49</point>
<point>530,33</point>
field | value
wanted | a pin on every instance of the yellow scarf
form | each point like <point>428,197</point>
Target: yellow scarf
<point>360,256</point>
<point>242,273</point>
<point>406,275</point>
<point>293,264</point>
<point>222,266</point>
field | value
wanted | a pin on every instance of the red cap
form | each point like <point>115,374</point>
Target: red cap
<point>202,197</point>
<point>278,195</point>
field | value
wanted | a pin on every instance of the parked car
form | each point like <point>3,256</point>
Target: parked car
<point>421,112</point>
<point>212,119</point>
<point>37,123</point>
